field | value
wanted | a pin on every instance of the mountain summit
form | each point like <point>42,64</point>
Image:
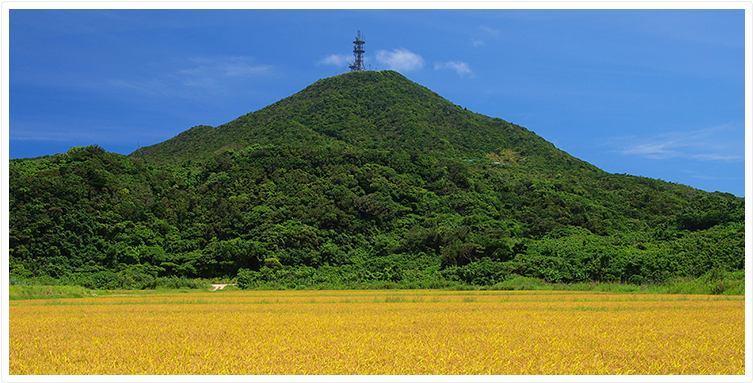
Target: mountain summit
<point>365,179</point>
<point>362,110</point>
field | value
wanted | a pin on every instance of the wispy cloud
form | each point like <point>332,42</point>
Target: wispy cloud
<point>488,30</point>
<point>151,87</point>
<point>460,67</point>
<point>477,43</point>
<point>400,59</point>
<point>715,177</point>
<point>717,157</point>
<point>335,59</point>
<point>77,129</point>
<point>653,150</point>
<point>719,143</point>
<point>213,75</point>
<point>215,68</point>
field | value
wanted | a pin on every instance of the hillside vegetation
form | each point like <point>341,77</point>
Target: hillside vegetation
<point>363,179</point>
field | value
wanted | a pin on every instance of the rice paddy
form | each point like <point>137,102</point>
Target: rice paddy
<point>379,332</point>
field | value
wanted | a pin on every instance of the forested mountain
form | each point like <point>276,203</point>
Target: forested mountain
<point>361,178</point>
<point>362,110</point>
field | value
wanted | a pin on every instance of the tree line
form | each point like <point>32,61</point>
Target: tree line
<point>330,215</point>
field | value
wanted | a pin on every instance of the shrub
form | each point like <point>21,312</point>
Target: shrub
<point>517,282</point>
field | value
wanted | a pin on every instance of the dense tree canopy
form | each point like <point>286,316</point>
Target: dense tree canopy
<point>361,177</point>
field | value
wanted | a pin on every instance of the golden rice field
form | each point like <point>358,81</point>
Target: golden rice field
<point>379,332</point>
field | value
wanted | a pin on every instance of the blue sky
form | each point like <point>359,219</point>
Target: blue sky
<point>655,93</point>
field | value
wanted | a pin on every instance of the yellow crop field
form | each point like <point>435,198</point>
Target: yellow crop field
<point>379,332</point>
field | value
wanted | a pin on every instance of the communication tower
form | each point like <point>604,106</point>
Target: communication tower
<point>358,53</point>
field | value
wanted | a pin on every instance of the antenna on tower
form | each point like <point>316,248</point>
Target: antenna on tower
<point>358,53</point>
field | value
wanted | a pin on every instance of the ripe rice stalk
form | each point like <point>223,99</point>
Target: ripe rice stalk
<point>374,332</point>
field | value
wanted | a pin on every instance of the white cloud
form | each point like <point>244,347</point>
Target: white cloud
<point>458,66</point>
<point>196,78</point>
<point>719,143</point>
<point>75,129</point>
<point>653,150</point>
<point>236,66</point>
<point>231,69</point>
<point>151,87</point>
<point>717,157</point>
<point>335,59</point>
<point>477,43</point>
<point>488,30</point>
<point>400,59</point>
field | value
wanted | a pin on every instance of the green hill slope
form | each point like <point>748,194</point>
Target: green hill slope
<point>361,179</point>
<point>364,110</point>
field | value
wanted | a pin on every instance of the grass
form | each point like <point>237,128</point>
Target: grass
<point>21,292</point>
<point>712,283</point>
<point>48,292</point>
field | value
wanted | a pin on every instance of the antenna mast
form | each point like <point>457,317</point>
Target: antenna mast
<point>358,53</point>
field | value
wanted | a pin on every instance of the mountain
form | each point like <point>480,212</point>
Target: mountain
<point>364,110</point>
<point>362,179</point>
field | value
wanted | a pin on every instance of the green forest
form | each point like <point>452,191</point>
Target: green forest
<point>365,179</point>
